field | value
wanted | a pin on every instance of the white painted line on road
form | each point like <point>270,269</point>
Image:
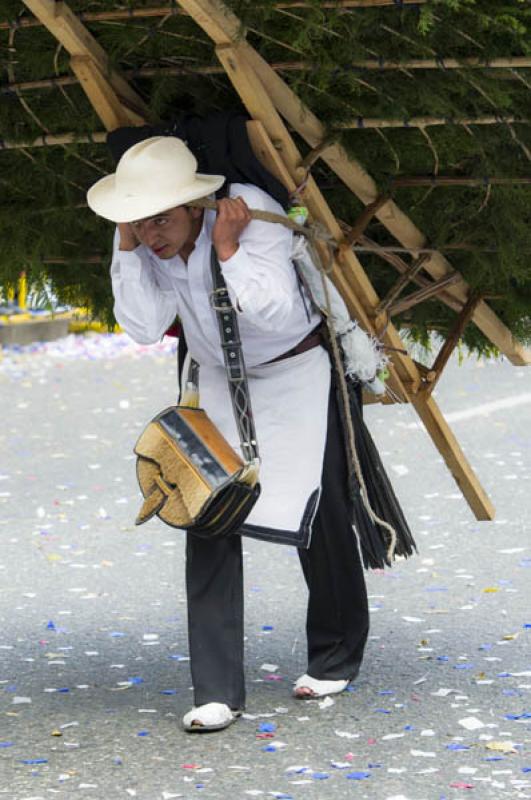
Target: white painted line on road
<point>483,410</point>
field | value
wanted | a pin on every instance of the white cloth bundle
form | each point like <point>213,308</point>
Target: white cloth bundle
<point>362,354</point>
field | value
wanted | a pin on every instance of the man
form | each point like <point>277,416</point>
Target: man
<point>160,269</point>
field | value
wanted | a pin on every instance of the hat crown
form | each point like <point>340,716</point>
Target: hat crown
<point>161,163</point>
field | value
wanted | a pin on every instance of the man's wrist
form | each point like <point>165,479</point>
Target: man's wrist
<point>226,250</point>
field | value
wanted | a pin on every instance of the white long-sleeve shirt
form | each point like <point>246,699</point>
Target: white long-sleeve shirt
<point>274,314</point>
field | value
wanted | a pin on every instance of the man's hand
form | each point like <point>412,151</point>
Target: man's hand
<point>233,217</point>
<point>128,239</point>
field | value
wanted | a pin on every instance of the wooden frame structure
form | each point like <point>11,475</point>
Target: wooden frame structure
<point>271,104</point>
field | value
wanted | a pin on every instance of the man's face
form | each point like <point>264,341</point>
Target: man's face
<point>170,232</point>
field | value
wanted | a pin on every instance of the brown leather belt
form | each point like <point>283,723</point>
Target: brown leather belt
<point>313,339</point>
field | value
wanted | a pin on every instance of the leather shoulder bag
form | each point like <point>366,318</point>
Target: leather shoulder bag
<point>188,473</point>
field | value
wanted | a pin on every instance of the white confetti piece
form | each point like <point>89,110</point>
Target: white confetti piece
<point>269,667</point>
<point>124,404</point>
<point>413,619</point>
<point>443,692</point>
<point>427,732</point>
<point>326,703</point>
<point>422,754</point>
<point>471,723</point>
<point>17,701</point>
<point>150,637</point>
<point>389,736</point>
<point>347,735</point>
<point>400,469</point>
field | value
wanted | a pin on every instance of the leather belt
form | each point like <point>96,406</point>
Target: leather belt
<point>312,339</point>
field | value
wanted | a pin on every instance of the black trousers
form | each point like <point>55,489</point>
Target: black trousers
<point>337,621</point>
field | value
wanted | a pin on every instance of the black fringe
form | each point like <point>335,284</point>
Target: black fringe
<point>374,539</point>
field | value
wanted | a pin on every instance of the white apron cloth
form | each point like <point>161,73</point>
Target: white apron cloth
<point>289,399</point>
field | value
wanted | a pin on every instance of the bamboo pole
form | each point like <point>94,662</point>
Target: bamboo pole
<point>282,66</point>
<point>441,180</point>
<point>47,140</point>
<point>427,121</point>
<point>163,11</point>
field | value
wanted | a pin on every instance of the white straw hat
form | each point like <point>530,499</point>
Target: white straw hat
<point>152,176</point>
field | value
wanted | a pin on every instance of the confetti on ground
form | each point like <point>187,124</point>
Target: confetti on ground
<point>93,643</point>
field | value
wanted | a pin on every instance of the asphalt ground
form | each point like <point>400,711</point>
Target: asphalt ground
<point>94,677</point>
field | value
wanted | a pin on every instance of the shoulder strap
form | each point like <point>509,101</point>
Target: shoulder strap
<point>234,363</point>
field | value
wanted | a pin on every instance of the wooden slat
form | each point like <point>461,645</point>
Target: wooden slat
<point>78,41</point>
<point>394,219</point>
<point>101,94</point>
<point>452,340</point>
<point>454,457</point>
<point>421,295</point>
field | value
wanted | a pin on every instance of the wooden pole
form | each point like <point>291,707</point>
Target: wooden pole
<point>257,98</point>
<point>362,123</point>
<point>48,140</point>
<point>426,293</point>
<point>452,340</point>
<point>282,66</point>
<point>163,11</point>
<point>441,180</point>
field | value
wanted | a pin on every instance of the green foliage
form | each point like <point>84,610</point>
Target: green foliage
<point>48,231</point>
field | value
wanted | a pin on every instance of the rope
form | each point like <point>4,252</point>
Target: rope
<point>351,437</point>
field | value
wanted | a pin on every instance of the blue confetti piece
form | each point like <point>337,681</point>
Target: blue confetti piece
<point>269,748</point>
<point>34,761</point>
<point>526,769</point>
<point>7,744</point>
<point>527,625</point>
<point>463,666</point>
<point>267,727</point>
<point>525,715</point>
<point>374,766</point>
<point>168,691</point>
<point>116,634</point>
<point>503,675</point>
<point>382,711</point>
<point>351,689</point>
<point>409,728</point>
<point>386,691</point>
<point>267,627</point>
<point>494,758</point>
<point>136,680</point>
<point>143,733</point>
<point>358,776</point>
<point>457,747</point>
<point>118,761</point>
<point>63,690</point>
<point>320,776</point>
<point>442,658</point>
<point>51,626</point>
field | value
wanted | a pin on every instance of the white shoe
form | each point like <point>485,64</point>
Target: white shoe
<point>307,687</point>
<point>209,717</point>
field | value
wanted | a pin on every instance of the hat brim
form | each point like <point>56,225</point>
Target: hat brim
<point>106,201</point>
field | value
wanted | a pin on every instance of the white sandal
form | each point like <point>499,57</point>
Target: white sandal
<point>317,688</point>
<point>209,717</point>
